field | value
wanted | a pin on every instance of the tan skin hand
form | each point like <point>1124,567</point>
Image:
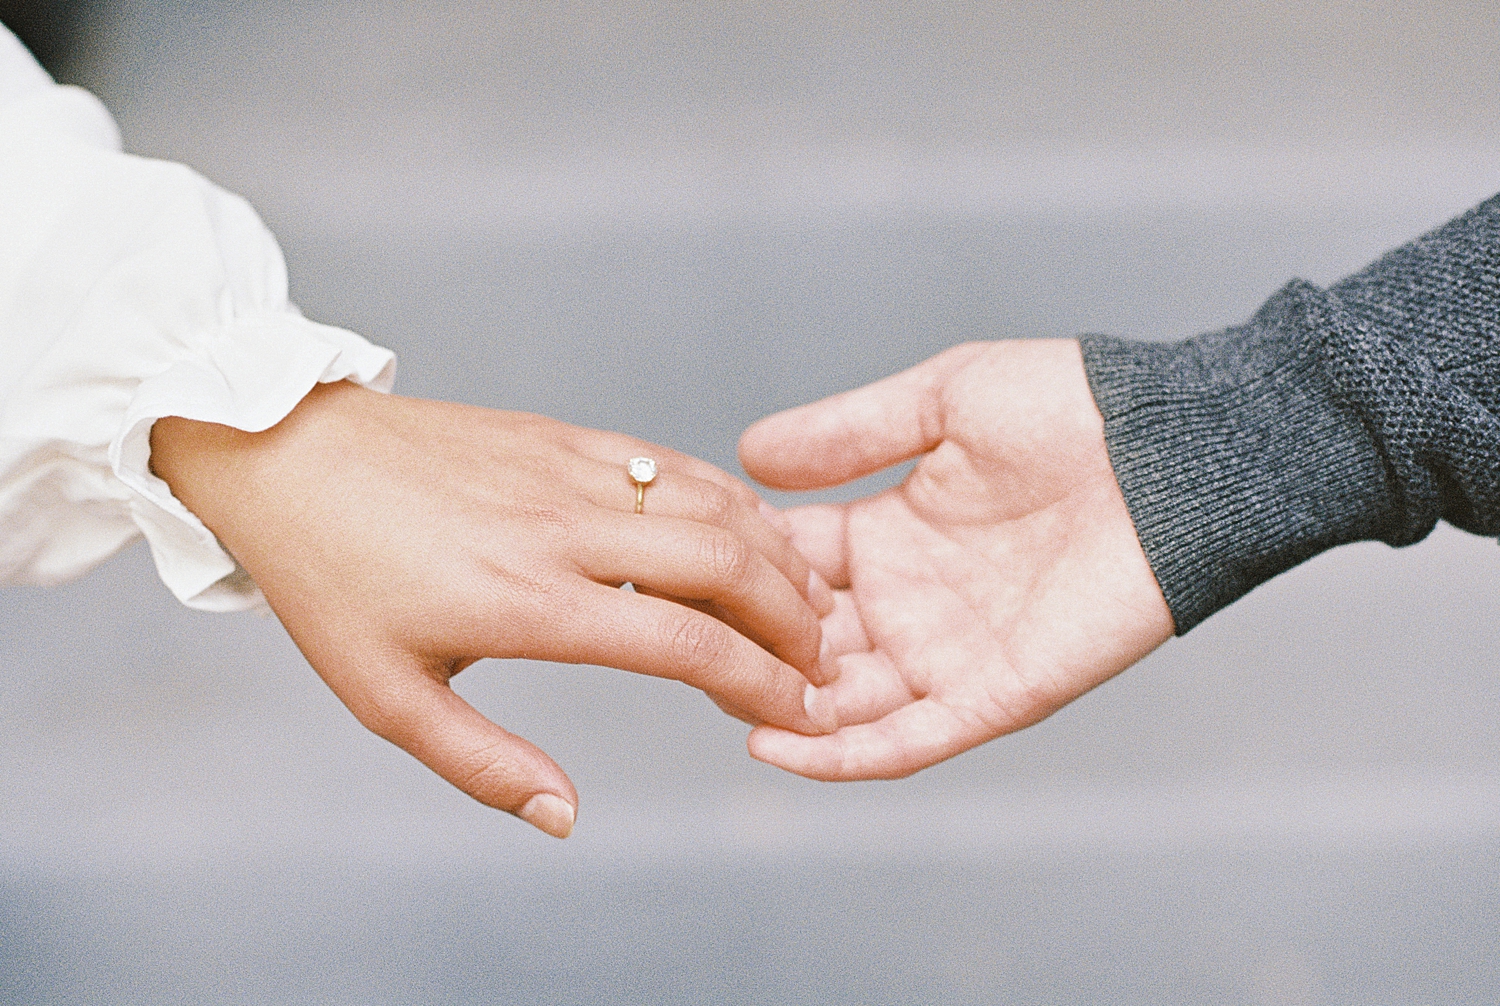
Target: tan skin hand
<point>400,540</point>
<point>1001,580</point>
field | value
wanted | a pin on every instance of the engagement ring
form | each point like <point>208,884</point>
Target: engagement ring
<point>642,471</point>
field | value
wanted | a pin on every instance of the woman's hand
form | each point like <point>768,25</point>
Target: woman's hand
<point>399,540</point>
<point>1000,581</point>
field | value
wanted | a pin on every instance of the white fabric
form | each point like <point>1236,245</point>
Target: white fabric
<point>131,289</point>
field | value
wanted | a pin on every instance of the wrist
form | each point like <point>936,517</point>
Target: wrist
<point>227,477</point>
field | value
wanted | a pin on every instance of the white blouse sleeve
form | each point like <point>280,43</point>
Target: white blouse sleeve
<point>131,289</point>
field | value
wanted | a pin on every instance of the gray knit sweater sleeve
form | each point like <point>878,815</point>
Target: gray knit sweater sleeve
<point>1365,411</point>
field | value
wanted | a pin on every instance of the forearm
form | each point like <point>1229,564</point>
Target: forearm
<point>1367,411</point>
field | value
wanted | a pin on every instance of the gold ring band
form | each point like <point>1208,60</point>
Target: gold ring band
<point>641,471</point>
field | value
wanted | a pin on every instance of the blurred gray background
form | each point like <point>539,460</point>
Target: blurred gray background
<point>671,219</point>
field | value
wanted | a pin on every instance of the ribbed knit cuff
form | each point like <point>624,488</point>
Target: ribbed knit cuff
<point>1235,456</point>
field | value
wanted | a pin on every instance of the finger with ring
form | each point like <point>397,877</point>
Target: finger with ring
<point>642,472</point>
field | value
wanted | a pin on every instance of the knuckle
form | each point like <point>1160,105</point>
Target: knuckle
<point>727,559</point>
<point>548,517</point>
<point>716,505</point>
<point>535,587</point>
<point>382,710</point>
<point>697,643</point>
<point>486,775</point>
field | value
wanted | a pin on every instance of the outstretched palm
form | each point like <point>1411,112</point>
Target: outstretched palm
<point>1001,580</point>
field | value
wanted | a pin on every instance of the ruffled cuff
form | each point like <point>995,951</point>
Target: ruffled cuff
<point>131,290</point>
<point>249,376</point>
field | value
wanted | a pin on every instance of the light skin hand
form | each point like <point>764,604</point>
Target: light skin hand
<point>1001,580</point>
<point>400,540</point>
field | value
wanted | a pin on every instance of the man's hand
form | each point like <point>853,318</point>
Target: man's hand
<point>1001,580</point>
<point>400,540</point>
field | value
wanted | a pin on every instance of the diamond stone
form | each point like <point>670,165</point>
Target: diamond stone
<point>641,470</point>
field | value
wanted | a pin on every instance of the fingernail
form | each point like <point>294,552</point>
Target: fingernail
<point>774,517</point>
<point>819,594</point>
<point>810,699</point>
<point>549,813</point>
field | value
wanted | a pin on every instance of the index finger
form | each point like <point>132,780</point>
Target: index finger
<point>648,635</point>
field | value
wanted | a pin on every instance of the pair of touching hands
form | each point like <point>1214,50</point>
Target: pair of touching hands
<point>400,540</point>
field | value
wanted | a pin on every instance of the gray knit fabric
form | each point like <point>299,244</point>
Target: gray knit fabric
<point>1366,411</point>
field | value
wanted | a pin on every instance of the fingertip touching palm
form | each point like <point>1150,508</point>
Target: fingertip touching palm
<point>998,582</point>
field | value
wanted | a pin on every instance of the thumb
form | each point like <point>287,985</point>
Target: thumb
<point>404,702</point>
<point>854,434</point>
